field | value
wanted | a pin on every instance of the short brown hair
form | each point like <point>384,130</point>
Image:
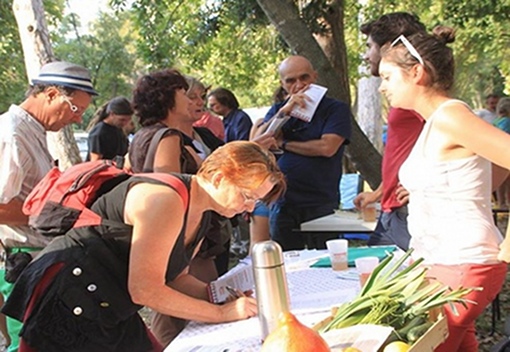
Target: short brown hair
<point>389,26</point>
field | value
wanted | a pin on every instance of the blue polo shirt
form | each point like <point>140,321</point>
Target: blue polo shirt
<point>314,181</point>
<point>237,126</point>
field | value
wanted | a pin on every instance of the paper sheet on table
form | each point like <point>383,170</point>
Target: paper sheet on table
<point>365,337</point>
<point>298,260</point>
<point>241,278</point>
<point>315,290</point>
<point>358,252</point>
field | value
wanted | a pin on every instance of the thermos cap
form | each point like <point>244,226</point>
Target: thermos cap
<point>267,254</point>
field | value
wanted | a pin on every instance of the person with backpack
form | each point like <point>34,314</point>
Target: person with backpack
<point>57,97</point>
<point>83,292</point>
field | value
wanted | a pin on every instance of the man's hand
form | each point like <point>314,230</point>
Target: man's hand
<point>365,198</point>
<point>402,195</point>
<point>266,141</point>
<point>298,99</point>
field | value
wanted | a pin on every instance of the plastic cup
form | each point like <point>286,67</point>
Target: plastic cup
<point>338,253</point>
<point>365,266</point>
<point>369,213</point>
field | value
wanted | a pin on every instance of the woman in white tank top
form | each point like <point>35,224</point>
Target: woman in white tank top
<point>448,176</point>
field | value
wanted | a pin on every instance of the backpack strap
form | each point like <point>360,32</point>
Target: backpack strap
<point>173,181</point>
<point>148,165</point>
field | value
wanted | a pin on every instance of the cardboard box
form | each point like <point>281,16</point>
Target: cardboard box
<point>434,336</point>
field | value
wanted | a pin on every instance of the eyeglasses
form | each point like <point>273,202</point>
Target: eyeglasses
<point>412,50</point>
<point>75,110</point>
<point>196,97</point>
<point>247,198</point>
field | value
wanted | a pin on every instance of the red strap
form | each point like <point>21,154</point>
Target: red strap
<point>173,181</point>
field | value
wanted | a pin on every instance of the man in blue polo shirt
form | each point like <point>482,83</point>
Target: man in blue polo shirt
<point>312,154</point>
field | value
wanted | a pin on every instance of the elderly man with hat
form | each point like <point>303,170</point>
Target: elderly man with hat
<point>57,97</point>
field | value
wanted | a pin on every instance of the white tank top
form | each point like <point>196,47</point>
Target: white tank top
<point>450,217</point>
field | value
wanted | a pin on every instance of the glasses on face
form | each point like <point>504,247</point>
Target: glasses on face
<point>74,109</point>
<point>412,50</point>
<point>247,198</point>
<point>196,96</point>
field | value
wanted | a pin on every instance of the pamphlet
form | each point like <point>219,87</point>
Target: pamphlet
<point>276,124</point>
<point>240,278</point>
<point>315,94</point>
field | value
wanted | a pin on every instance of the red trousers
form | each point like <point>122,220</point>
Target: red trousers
<point>462,327</point>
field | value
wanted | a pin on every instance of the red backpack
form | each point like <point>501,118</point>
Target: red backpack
<point>61,200</point>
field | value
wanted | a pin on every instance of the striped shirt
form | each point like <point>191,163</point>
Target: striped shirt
<point>25,160</point>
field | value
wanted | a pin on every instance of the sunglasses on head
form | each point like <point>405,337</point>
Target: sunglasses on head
<point>412,50</point>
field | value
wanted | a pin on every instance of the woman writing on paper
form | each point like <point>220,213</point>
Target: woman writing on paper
<point>82,293</point>
<point>448,176</point>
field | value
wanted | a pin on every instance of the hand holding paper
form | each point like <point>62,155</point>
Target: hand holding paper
<point>314,95</point>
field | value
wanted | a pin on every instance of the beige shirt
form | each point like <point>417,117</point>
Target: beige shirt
<point>25,160</point>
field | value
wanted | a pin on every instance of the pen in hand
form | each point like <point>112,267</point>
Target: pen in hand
<point>234,292</point>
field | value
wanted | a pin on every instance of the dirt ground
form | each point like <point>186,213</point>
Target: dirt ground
<point>486,338</point>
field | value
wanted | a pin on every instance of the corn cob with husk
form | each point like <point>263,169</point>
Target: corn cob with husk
<point>397,298</point>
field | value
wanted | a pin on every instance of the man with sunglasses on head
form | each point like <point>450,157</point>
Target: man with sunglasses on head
<point>57,97</point>
<point>404,127</point>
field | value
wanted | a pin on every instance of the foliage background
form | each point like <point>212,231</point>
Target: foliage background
<point>231,43</point>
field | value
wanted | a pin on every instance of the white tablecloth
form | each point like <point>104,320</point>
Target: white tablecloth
<point>312,293</point>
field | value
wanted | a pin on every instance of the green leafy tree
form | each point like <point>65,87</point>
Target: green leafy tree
<point>482,44</point>
<point>13,77</point>
<point>225,43</point>
<point>107,51</point>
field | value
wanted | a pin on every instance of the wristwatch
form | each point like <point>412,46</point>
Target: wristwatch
<point>284,145</point>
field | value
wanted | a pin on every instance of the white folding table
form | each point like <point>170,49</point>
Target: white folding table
<point>318,231</point>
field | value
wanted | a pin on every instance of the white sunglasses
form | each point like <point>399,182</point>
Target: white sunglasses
<point>412,50</point>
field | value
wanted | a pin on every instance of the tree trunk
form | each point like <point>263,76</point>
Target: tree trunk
<point>369,110</point>
<point>285,17</point>
<point>37,52</point>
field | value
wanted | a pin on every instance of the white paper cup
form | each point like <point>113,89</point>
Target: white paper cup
<point>338,253</point>
<point>365,266</point>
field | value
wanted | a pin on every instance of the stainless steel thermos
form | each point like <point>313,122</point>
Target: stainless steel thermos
<point>270,284</point>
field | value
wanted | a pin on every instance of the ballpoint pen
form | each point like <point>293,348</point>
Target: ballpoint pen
<point>233,292</point>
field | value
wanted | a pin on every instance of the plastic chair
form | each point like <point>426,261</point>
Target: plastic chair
<point>349,187</point>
